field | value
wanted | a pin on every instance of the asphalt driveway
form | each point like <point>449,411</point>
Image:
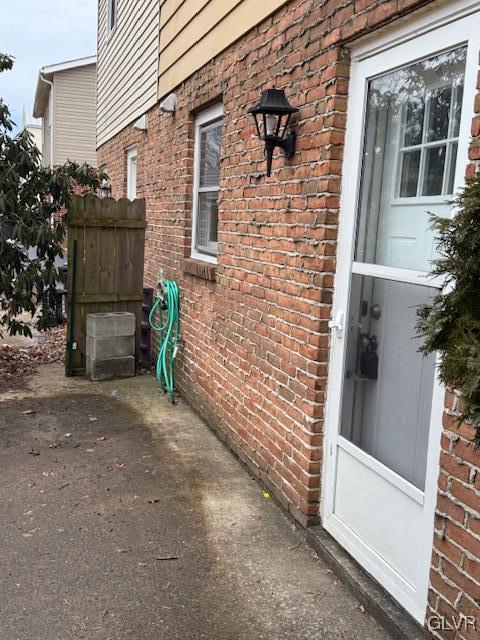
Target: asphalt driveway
<point>123,517</point>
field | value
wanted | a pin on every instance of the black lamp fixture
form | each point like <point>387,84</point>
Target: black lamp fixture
<point>272,115</point>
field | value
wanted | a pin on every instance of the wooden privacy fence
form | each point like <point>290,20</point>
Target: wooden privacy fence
<point>106,244</point>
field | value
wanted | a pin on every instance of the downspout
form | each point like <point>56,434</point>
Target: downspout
<point>51,104</point>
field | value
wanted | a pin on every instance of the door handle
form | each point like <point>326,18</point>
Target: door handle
<point>337,324</point>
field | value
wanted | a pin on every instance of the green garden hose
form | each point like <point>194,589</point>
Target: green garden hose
<point>166,307</point>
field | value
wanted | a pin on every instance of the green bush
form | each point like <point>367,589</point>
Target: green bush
<point>451,324</point>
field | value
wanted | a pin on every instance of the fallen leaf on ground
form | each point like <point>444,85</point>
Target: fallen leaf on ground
<point>266,495</point>
<point>89,450</point>
<point>118,549</point>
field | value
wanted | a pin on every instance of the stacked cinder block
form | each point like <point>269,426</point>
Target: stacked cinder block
<point>110,345</point>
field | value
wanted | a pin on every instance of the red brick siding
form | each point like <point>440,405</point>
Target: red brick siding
<point>455,573</point>
<point>255,341</point>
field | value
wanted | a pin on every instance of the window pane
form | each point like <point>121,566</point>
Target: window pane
<point>457,110</point>
<point>207,221</point>
<point>434,169</point>
<point>210,140</point>
<point>439,114</point>
<point>414,121</point>
<point>410,167</point>
<point>452,167</point>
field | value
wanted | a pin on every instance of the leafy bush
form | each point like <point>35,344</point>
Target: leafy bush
<point>451,324</point>
<point>30,195</point>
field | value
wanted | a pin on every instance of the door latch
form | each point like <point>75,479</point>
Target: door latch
<point>337,324</point>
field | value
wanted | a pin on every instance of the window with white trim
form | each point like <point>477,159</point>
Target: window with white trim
<point>132,173</point>
<point>208,135</point>
<point>111,15</point>
<point>431,121</point>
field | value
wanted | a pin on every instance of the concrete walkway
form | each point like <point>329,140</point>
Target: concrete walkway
<point>124,518</point>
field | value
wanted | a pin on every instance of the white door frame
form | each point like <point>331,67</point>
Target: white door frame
<point>430,33</point>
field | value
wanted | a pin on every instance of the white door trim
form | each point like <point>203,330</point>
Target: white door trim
<point>434,32</point>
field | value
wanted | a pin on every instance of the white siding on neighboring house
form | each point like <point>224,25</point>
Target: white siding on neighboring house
<point>127,66</point>
<point>75,115</point>
<point>36,133</point>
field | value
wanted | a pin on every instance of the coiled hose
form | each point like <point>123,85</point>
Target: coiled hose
<point>166,306</point>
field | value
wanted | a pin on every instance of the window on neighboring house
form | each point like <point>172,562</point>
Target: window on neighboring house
<point>132,173</point>
<point>111,15</point>
<point>208,135</point>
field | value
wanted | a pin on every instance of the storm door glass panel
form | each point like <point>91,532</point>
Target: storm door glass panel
<point>411,138</point>
<point>388,384</point>
<point>409,161</point>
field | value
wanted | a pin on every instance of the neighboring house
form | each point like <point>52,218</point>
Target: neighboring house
<point>34,127</point>
<point>299,290</point>
<point>65,99</point>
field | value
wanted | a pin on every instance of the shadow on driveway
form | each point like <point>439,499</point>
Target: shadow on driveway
<point>124,518</point>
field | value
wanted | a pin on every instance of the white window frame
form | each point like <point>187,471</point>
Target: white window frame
<point>131,185</point>
<point>422,146</point>
<point>203,121</point>
<point>111,13</point>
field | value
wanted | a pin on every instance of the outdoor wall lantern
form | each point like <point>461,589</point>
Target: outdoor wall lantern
<point>272,115</point>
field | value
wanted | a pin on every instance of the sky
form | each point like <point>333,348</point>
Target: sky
<point>40,33</point>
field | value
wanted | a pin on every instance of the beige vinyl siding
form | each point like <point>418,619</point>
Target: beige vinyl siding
<point>192,32</point>
<point>75,115</point>
<point>127,66</point>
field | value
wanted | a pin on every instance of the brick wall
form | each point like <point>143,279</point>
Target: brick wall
<point>455,575</point>
<point>255,340</point>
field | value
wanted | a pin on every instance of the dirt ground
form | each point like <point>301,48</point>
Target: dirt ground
<point>123,517</point>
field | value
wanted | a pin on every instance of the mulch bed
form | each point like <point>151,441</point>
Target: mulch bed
<point>16,363</point>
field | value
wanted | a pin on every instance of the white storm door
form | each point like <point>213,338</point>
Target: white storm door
<point>406,152</point>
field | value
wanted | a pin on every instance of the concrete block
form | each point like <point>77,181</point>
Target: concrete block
<point>106,325</point>
<point>123,367</point>
<point>111,347</point>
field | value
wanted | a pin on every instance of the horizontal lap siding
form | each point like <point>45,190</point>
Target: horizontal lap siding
<point>127,65</point>
<point>75,115</point>
<point>192,33</point>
